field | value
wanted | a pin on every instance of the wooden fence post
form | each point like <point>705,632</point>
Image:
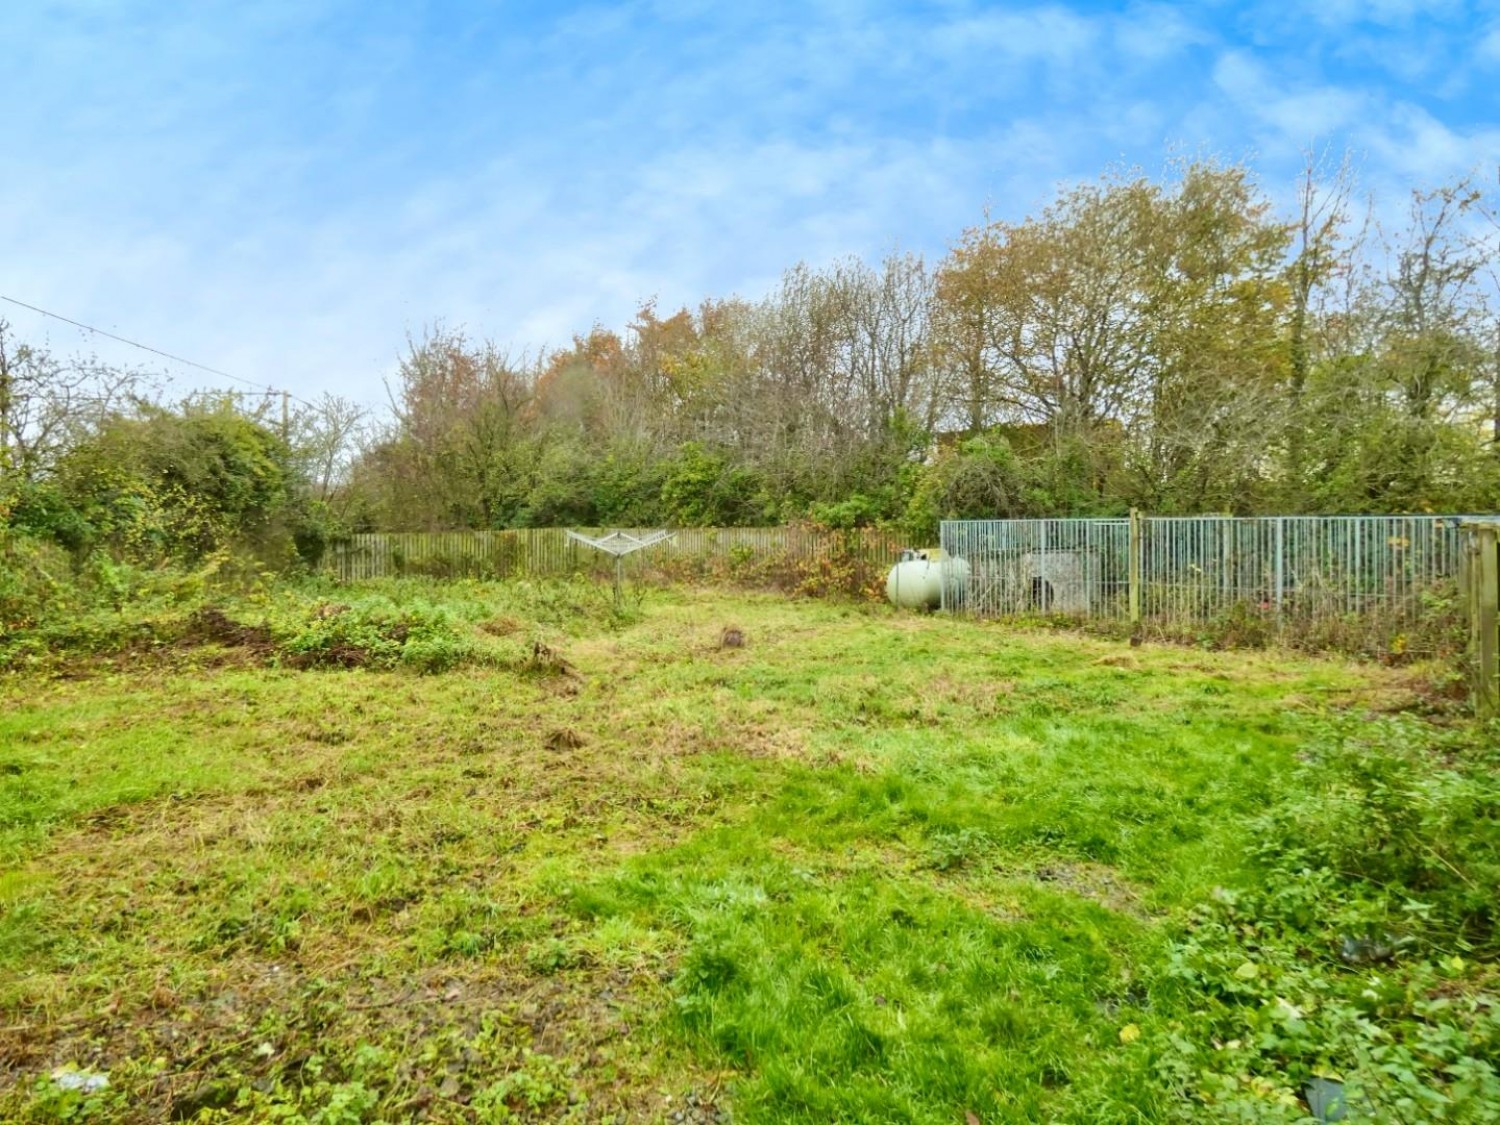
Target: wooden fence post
<point>1136,550</point>
<point>1482,593</point>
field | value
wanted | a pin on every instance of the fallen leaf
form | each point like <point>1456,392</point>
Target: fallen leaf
<point>970,1117</point>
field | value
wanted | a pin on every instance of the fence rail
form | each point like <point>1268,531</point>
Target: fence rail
<point>1348,582</point>
<point>810,558</point>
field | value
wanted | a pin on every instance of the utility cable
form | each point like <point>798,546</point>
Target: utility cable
<point>264,388</point>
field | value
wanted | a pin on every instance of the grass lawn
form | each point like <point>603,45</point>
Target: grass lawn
<point>868,867</point>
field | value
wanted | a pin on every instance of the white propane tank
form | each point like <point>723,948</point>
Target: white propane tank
<point>917,581</point>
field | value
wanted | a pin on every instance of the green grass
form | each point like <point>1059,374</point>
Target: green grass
<point>869,868</point>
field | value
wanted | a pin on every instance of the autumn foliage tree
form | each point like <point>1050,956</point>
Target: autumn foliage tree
<point>1178,343</point>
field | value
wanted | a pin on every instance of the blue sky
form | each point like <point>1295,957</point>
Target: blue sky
<point>285,188</point>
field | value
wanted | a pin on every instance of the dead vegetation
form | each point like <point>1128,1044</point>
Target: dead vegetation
<point>548,661</point>
<point>211,625</point>
<point>565,738</point>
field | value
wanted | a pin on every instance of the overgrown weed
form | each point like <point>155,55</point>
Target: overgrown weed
<point>307,623</point>
<point>864,868</point>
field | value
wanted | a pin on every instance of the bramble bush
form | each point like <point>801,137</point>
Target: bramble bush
<point>1363,962</point>
<point>1407,811</point>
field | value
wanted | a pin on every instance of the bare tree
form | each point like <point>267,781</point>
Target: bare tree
<point>1432,308</point>
<point>47,404</point>
<point>1323,252</point>
<point>325,437</point>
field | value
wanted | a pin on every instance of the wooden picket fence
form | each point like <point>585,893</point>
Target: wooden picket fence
<point>807,559</point>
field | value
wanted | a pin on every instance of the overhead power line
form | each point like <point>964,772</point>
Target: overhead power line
<point>264,388</point>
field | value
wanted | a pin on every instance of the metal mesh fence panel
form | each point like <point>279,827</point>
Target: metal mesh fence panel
<point>1017,567</point>
<point>1342,582</point>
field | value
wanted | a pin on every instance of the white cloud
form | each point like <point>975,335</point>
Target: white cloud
<point>286,203</point>
<point>1052,34</point>
<point>318,305</point>
<point>1290,115</point>
<point>1489,47</point>
<point>1412,149</point>
<point>1341,14</point>
<point>1154,33</point>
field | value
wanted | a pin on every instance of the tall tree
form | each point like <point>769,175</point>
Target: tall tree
<point>1323,254</point>
<point>1211,342</point>
<point>459,447</point>
<point>48,404</point>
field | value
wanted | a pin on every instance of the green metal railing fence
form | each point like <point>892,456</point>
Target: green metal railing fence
<point>1345,582</point>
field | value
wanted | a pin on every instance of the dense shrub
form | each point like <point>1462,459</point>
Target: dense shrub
<point>177,485</point>
<point>705,489</point>
<point>1360,967</point>
<point>34,582</point>
<point>1408,812</point>
<point>41,510</point>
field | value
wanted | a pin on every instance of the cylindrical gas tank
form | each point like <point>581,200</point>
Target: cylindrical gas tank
<point>917,581</point>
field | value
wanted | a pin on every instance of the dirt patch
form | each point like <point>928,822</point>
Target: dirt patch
<point>130,817</point>
<point>255,1022</point>
<point>565,738</point>
<point>546,661</point>
<point>334,656</point>
<point>1093,881</point>
<point>745,737</point>
<point>1435,692</point>
<point>986,698</point>
<point>211,625</point>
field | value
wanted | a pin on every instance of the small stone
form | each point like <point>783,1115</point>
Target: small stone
<point>85,1081</point>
